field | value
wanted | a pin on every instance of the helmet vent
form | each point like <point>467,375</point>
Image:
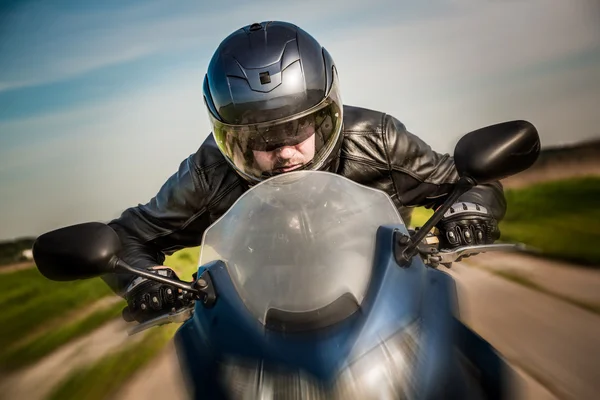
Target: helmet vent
<point>264,78</point>
<point>255,27</point>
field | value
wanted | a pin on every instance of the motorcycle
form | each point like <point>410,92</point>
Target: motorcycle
<point>311,286</point>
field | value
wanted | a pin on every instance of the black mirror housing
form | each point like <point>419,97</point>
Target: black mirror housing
<point>497,151</point>
<point>79,251</point>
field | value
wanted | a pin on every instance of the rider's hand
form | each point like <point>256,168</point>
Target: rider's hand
<point>467,224</point>
<point>147,299</point>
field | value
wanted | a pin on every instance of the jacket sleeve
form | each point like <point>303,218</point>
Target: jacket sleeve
<point>175,218</point>
<point>423,177</point>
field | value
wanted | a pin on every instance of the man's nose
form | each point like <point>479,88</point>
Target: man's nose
<point>286,152</point>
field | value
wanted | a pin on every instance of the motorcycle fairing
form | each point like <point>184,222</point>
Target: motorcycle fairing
<point>396,299</point>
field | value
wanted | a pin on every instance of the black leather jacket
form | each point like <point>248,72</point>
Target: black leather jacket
<point>377,151</point>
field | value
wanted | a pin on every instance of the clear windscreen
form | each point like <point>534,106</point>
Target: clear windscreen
<point>299,241</point>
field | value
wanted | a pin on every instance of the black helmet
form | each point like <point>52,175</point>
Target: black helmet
<point>273,101</point>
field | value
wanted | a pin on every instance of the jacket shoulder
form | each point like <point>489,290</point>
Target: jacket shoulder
<point>359,119</point>
<point>208,155</point>
<point>191,198</point>
<point>214,173</point>
<point>382,141</point>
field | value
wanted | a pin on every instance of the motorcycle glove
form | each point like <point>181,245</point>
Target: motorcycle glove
<point>467,224</point>
<point>148,299</point>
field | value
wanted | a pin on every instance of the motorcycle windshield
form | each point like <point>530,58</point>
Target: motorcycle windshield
<point>299,241</point>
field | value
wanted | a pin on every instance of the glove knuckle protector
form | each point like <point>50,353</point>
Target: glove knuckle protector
<point>466,224</point>
<point>147,299</point>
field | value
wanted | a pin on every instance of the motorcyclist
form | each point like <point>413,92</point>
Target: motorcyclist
<point>273,100</point>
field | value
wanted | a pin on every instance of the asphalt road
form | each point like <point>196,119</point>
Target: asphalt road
<point>554,346</point>
<point>554,342</point>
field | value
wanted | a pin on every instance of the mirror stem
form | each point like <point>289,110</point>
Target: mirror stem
<point>124,267</point>
<point>463,185</point>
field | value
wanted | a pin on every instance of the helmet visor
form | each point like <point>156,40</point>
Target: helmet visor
<point>302,141</point>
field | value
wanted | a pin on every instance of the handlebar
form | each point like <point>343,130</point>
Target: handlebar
<point>431,256</point>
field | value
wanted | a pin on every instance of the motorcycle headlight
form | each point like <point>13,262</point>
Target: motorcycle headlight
<point>385,372</point>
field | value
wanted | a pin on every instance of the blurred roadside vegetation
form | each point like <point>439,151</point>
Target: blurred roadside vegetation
<point>42,316</point>
<point>11,251</point>
<point>107,375</point>
<point>32,303</point>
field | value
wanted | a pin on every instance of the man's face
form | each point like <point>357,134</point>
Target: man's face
<point>286,158</point>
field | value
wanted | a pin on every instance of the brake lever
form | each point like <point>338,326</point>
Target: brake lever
<point>180,315</point>
<point>433,256</point>
<point>450,256</point>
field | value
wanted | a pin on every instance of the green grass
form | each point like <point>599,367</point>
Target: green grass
<point>39,317</point>
<point>35,320</point>
<point>30,302</point>
<point>184,262</point>
<point>11,250</point>
<point>102,379</point>
<point>420,216</point>
<point>561,219</point>
<point>30,351</point>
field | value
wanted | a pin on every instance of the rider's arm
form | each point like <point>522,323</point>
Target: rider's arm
<point>186,204</point>
<point>150,231</point>
<point>423,177</point>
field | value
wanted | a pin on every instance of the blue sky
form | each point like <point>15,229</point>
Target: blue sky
<point>100,101</point>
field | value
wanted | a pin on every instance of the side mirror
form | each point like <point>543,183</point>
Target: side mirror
<point>485,155</point>
<point>497,151</point>
<point>89,250</point>
<point>77,252</point>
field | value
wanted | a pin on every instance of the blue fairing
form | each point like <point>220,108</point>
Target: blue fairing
<point>396,297</point>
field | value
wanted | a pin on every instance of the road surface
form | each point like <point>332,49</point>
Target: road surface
<point>554,342</point>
